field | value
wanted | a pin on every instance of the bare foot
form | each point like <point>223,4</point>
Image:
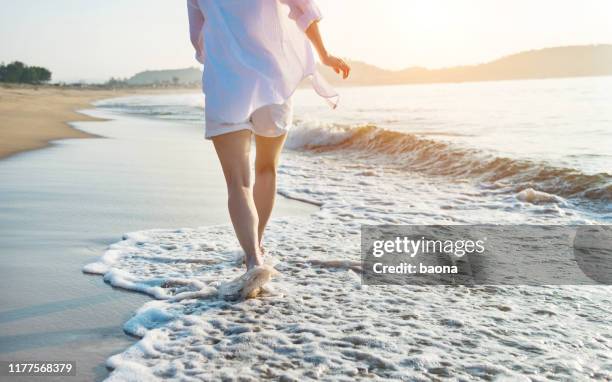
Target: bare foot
<point>249,285</point>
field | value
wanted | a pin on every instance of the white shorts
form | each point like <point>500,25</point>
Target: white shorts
<point>271,120</point>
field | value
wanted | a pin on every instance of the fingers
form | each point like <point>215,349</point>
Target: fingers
<point>339,66</point>
<point>346,70</point>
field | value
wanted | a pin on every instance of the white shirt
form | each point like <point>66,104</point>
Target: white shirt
<point>255,53</point>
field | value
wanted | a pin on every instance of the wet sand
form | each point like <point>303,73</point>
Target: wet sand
<point>61,207</point>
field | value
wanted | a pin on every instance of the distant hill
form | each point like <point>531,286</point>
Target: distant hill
<point>570,61</point>
<point>176,76</point>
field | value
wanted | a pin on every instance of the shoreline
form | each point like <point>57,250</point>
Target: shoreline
<point>32,117</point>
<point>76,197</point>
<point>153,176</point>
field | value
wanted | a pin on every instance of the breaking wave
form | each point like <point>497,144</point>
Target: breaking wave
<point>406,151</point>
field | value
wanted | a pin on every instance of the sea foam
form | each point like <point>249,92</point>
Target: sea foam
<point>316,320</point>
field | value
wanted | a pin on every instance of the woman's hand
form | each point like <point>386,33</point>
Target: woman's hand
<point>337,64</point>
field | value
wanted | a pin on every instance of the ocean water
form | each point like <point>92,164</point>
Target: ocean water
<point>550,135</point>
<point>517,152</point>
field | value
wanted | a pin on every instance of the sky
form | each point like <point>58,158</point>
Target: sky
<point>93,40</point>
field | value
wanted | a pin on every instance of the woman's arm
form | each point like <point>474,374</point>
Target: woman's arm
<point>196,24</point>
<point>307,15</point>
<point>337,64</point>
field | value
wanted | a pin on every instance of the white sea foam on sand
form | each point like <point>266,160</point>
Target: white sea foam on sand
<point>316,320</point>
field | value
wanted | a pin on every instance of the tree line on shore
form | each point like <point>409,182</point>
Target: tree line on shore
<point>18,72</point>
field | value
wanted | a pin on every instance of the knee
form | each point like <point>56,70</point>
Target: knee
<point>265,170</point>
<point>238,183</point>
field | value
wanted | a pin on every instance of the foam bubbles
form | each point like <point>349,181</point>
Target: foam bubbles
<point>316,321</point>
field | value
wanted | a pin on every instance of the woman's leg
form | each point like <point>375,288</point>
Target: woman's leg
<point>233,150</point>
<point>266,163</point>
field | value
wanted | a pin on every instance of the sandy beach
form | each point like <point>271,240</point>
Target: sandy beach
<point>31,117</point>
<point>63,205</point>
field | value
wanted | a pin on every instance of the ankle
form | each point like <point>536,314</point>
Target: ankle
<point>253,261</point>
